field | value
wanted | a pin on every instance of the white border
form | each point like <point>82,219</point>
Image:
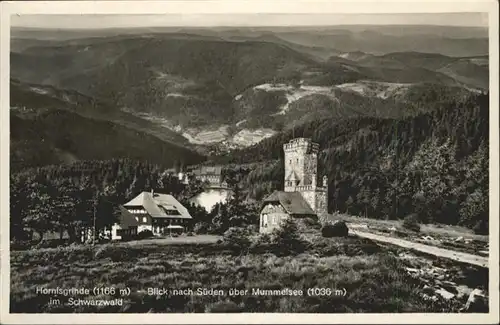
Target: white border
<point>254,6</point>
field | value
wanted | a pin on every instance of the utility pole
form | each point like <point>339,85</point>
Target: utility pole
<point>94,229</point>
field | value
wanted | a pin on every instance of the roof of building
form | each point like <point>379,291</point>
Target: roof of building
<point>159,205</point>
<point>208,170</point>
<point>292,202</point>
<point>125,218</point>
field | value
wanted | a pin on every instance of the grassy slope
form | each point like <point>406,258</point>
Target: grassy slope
<point>370,277</point>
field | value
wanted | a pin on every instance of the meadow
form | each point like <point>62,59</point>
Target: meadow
<point>368,279</point>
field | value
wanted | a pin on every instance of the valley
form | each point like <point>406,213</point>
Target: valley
<point>230,89</point>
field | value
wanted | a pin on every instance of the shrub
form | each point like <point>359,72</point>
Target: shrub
<point>115,253</point>
<point>337,229</point>
<point>287,238</point>
<point>224,307</point>
<point>264,238</point>
<point>481,227</point>
<point>261,244</point>
<point>253,229</point>
<point>411,222</point>
<point>145,234</point>
<point>201,228</point>
<point>312,222</point>
<point>237,239</point>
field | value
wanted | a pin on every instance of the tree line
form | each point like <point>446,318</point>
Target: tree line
<point>65,198</point>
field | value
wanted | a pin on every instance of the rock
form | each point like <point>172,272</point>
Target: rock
<point>445,294</point>
<point>337,229</point>
<point>392,228</point>
<point>477,302</point>
<point>427,289</point>
<point>463,290</point>
<point>429,297</point>
<point>425,281</point>
<point>412,271</point>
<point>458,239</point>
<point>450,286</point>
<point>427,238</point>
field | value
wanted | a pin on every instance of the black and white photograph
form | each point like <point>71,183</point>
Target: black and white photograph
<point>236,163</point>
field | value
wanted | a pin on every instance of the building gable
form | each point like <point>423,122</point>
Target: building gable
<point>159,205</point>
<point>292,202</point>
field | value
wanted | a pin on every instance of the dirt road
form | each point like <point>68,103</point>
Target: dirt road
<point>436,251</point>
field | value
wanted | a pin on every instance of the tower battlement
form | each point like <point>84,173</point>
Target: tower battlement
<point>303,144</point>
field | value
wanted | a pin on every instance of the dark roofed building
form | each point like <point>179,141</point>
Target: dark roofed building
<point>281,205</point>
<point>126,226</point>
<point>210,174</point>
<point>157,211</point>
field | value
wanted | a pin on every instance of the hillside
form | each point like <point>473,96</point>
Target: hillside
<point>41,97</point>
<point>374,39</point>
<point>64,137</point>
<point>434,164</point>
<point>470,71</point>
<point>46,129</point>
<point>214,90</point>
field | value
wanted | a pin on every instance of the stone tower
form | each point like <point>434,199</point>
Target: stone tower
<point>301,173</point>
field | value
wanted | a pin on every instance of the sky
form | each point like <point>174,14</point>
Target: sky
<point>121,21</point>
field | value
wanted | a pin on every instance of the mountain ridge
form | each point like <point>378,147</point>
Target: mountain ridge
<point>208,93</point>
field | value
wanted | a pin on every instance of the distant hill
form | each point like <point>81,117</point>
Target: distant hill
<point>233,88</point>
<point>46,130</point>
<point>470,71</point>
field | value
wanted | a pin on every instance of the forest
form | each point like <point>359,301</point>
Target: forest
<point>434,165</point>
<point>63,199</point>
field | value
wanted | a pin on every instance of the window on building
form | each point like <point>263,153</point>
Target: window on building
<point>144,219</point>
<point>264,220</point>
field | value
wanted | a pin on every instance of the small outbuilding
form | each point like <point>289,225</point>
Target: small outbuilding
<point>125,227</point>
